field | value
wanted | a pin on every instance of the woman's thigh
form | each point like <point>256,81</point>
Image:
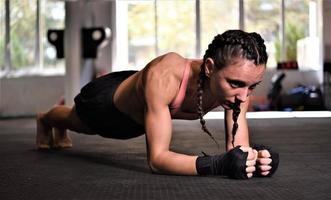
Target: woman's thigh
<point>77,125</point>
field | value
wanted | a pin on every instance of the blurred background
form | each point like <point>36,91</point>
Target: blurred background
<point>50,48</point>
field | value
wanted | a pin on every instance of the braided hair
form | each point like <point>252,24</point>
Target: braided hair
<point>223,49</point>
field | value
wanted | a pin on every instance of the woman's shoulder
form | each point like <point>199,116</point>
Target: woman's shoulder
<point>173,56</point>
<point>168,59</point>
<point>164,74</point>
<point>169,64</point>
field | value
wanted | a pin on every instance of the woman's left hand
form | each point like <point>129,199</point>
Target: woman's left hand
<point>263,161</point>
<point>267,161</point>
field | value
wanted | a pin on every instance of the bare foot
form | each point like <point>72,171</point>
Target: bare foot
<point>61,139</point>
<point>44,136</point>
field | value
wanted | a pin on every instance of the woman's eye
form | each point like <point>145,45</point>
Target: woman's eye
<point>236,84</point>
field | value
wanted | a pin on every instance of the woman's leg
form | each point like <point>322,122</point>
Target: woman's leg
<point>60,118</point>
<point>61,138</point>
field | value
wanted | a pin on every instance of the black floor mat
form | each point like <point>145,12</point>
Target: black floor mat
<point>99,168</point>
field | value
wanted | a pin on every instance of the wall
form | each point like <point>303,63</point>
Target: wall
<point>327,30</point>
<point>327,50</point>
<point>24,96</point>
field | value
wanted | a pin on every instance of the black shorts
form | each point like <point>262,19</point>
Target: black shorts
<point>95,107</point>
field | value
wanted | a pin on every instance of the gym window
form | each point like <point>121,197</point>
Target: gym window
<point>187,27</point>
<point>152,27</point>
<point>23,42</point>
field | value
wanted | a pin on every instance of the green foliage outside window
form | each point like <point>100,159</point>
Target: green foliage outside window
<point>2,35</point>
<point>23,19</point>
<point>2,53</point>
<point>22,32</point>
<point>175,27</point>
<point>293,32</point>
<point>296,27</point>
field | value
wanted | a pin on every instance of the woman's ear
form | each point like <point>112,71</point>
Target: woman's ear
<point>209,67</point>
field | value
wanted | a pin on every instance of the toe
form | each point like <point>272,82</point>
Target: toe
<point>43,146</point>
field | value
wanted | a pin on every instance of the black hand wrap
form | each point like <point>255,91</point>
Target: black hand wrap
<point>274,163</point>
<point>231,164</point>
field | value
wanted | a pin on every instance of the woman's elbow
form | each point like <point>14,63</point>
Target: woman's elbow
<point>152,166</point>
<point>155,166</point>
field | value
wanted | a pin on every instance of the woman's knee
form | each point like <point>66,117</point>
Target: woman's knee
<point>77,125</point>
<point>57,116</point>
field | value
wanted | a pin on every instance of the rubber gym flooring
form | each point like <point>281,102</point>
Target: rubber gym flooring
<point>99,168</point>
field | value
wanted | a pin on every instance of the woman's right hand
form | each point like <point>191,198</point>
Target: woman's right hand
<point>251,160</point>
<point>237,163</point>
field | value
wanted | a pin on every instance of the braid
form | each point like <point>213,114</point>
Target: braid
<point>223,49</point>
<point>235,115</point>
<point>201,81</point>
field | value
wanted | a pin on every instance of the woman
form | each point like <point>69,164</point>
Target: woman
<point>127,104</point>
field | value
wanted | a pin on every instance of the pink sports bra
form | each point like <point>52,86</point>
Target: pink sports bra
<point>175,105</point>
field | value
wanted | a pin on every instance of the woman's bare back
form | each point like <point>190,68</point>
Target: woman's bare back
<point>167,71</point>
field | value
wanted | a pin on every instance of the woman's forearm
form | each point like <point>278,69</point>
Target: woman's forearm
<point>169,162</point>
<point>242,134</point>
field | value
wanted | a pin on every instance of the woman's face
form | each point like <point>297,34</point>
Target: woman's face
<point>235,81</point>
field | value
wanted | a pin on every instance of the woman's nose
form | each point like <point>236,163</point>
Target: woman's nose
<point>242,95</point>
